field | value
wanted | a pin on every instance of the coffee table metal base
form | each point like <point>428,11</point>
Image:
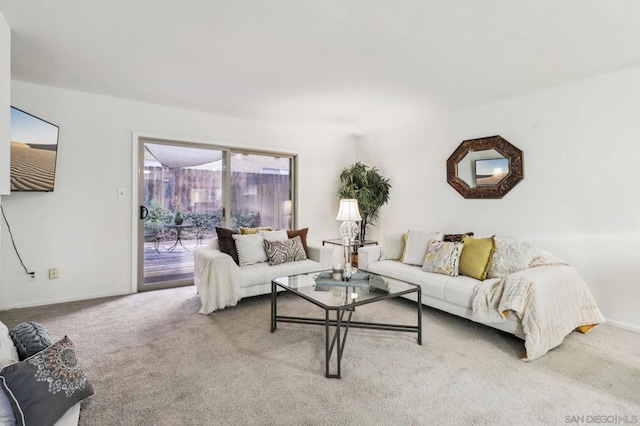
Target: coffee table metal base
<point>335,342</point>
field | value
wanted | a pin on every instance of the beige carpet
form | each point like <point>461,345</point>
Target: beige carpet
<point>153,360</point>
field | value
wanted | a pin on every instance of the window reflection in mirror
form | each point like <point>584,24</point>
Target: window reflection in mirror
<point>483,169</point>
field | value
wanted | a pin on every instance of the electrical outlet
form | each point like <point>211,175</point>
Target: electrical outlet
<point>31,277</point>
<point>53,273</point>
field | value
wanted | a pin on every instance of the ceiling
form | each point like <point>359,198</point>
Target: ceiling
<point>359,66</point>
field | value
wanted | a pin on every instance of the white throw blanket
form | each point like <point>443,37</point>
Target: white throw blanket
<point>551,300</point>
<point>220,269</point>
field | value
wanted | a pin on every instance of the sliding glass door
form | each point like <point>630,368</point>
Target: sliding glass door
<point>260,193</point>
<point>182,197</point>
<point>187,190</point>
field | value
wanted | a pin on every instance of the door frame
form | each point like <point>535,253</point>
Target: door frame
<point>137,175</point>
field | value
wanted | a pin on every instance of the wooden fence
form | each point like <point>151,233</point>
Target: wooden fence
<point>200,191</point>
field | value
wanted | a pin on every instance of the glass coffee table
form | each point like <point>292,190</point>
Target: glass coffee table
<point>342,298</point>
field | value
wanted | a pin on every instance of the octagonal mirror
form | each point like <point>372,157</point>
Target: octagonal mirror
<point>485,168</point>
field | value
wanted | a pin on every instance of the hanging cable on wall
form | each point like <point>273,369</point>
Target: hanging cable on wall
<point>14,243</point>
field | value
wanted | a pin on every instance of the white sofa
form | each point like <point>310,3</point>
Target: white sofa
<point>221,282</point>
<point>541,303</point>
<point>450,294</point>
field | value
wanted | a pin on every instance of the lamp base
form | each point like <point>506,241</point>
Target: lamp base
<point>349,230</point>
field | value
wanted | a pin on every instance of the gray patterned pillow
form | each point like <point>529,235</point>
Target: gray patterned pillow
<point>43,387</point>
<point>30,338</point>
<point>283,251</point>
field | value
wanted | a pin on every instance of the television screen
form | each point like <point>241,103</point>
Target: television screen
<point>34,148</point>
<point>490,172</point>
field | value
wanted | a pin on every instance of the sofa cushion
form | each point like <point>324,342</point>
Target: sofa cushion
<point>476,256</point>
<point>44,386</point>
<point>443,257</point>
<point>431,284</point>
<point>261,273</point>
<point>274,235</point>
<point>456,290</point>
<point>226,242</point>
<point>289,250</point>
<point>250,249</point>
<point>249,231</point>
<point>391,245</point>
<point>302,233</point>
<point>510,256</point>
<point>460,291</point>
<point>454,238</point>
<point>416,248</point>
<point>30,338</point>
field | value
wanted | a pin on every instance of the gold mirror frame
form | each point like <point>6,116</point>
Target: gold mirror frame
<point>502,146</point>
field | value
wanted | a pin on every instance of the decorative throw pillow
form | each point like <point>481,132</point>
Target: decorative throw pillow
<point>249,231</point>
<point>7,418</point>
<point>44,386</point>
<point>456,237</point>
<point>404,250</point>
<point>227,244</point>
<point>511,256</point>
<point>391,245</point>
<point>417,243</point>
<point>30,338</point>
<point>8,352</point>
<point>274,235</point>
<point>290,250</point>
<point>302,233</point>
<point>250,249</point>
<point>476,256</point>
<point>443,257</point>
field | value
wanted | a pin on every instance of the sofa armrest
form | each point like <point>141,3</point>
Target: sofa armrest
<point>367,255</point>
<point>217,279</point>
<point>323,255</point>
<point>206,257</point>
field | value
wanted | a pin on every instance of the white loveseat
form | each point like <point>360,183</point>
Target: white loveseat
<point>221,282</point>
<point>541,302</point>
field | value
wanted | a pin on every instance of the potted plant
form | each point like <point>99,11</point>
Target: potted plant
<point>369,187</point>
<point>178,217</point>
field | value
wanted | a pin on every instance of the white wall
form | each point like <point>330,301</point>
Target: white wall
<point>5,104</point>
<point>579,198</point>
<point>85,231</point>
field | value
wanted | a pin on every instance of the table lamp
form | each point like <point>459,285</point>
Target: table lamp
<point>349,214</point>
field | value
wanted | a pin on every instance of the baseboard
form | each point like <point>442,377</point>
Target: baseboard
<point>624,325</point>
<point>62,300</point>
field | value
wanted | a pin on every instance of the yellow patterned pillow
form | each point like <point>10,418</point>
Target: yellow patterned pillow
<point>249,231</point>
<point>476,257</point>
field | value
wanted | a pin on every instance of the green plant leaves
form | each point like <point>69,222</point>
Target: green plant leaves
<point>366,185</point>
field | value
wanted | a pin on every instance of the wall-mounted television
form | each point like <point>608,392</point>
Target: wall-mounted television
<point>34,150</point>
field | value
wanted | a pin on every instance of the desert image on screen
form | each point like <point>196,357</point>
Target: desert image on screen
<point>32,168</point>
<point>34,146</point>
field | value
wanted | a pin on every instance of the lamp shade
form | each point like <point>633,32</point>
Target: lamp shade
<point>348,210</point>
